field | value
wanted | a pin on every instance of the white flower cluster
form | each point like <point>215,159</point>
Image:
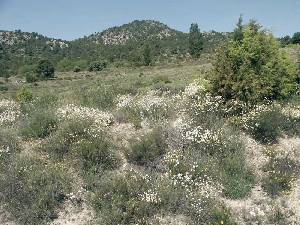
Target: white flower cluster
<point>9,111</point>
<point>151,101</point>
<point>4,149</point>
<point>292,111</point>
<point>150,196</point>
<point>193,89</point>
<point>200,135</point>
<point>198,190</point>
<point>125,101</point>
<point>71,111</point>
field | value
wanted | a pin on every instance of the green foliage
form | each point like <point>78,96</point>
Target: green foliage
<point>238,31</point>
<point>26,70</point>
<point>60,143</point>
<point>100,96</point>
<point>148,149</point>
<point>266,127</point>
<point>39,124</point>
<point>44,69</point>
<point>296,38</point>
<point>68,64</point>
<point>237,179</point>
<point>147,58</point>
<point>24,95</point>
<point>286,40</point>
<point>117,199</point>
<point>33,189</point>
<point>3,87</point>
<point>282,171</point>
<point>96,154</point>
<point>31,78</point>
<point>195,41</point>
<point>253,69</point>
<point>97,66</point>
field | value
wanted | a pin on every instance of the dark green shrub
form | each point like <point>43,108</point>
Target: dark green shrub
<point>281,174</point>
<point>39,124</point>
<point>33,189</point>
<point>44,69</point>
<point>76,69</point>
<point>31,78</point>
<point>266,126</point>
<point>3,87</point>
<point>97,66</point>
<point>149,148</point>
<point>237,179</point>
<point>96,154</point>
<point>118,199</point>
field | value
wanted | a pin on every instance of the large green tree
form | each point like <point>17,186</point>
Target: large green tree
<point>254,69</point>
<point>296,38</point>
<point>195,41</point>
<point>44,69</point>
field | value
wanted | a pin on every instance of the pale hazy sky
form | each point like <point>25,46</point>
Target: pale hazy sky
<point>70,19</point>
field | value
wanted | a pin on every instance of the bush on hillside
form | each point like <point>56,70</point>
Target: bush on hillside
<point>97,66</point>
<point>24,95</point>
<point>253,69</point>
<point>149,148</point>
<point>44,69</point>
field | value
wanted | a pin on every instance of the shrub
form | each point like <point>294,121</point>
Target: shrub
<point>266,125</point>
<point>9,147</point>
<point>39,124</point>
<point>44,69</point>
<point>26,70</point>
<point>76,69</point>
<point>119,199</point>
<point>31,78</point>
<point>3,87</point>
<point>97,66</point>
<point>148,149</point>
<point>161,79</point>
<point>101,96</point>
<point>253,69</point>
<point>282,171</point>
<point>24,95</point>
<point>61,142</point>
<point>237,179</point>
<point>96,154</point>
<point>33,189</point>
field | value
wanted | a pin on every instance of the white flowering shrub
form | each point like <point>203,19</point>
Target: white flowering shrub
<point>149,108</point>
<point>73,112</point>
<point>9,112</point>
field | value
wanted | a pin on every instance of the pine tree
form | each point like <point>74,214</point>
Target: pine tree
<point>147,55</point>
<point>238,31</point>
<point>195,41</point>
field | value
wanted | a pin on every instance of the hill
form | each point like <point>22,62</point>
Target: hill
<point>121,45</point>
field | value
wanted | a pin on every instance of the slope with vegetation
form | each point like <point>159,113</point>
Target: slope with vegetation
<point>190,143</point>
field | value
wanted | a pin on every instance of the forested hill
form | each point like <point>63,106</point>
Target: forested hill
<point>121,44</point>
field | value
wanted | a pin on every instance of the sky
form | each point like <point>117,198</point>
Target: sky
<point>71,19</point>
